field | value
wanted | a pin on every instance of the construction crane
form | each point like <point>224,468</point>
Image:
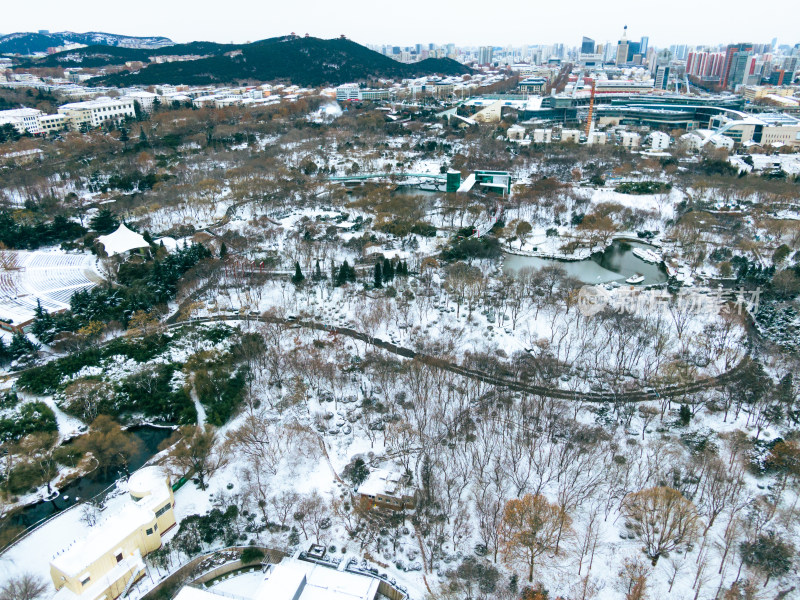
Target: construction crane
<point>591,111</point>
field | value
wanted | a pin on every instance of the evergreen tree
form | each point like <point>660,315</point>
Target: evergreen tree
<point>345,274</point>
<point>388,270</point>
<point>402,269</point>
<point>123,136</point>
<point>22,347</point>
<point>298,276</point>
<point>378,277</point>
<point>317,272</point>
<point>142,136</point>
<point>104,221</point>
<point>684,415</point>
<point>42,323</point>
<point>223,250</point>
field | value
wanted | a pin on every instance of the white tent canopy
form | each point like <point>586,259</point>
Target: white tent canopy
<point>121,241</point>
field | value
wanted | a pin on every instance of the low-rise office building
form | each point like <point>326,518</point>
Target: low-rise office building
<point>629,139</point>
<point>145,99</point>
<point>571,135</point>
<point>23,119</point>
<point>658,140</point>
<point>93,113</point>
<point>54,122</point>
<point>542,136</point>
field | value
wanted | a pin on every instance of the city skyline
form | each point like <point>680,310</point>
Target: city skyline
<point>516,24</point>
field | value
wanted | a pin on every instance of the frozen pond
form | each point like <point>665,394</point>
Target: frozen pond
<point>617,263</point>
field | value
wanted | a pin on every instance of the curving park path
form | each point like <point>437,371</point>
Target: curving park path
<point>499,380</point>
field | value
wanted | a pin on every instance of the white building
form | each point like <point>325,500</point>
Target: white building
<point>629,139</point>
<point>571,135</point>
<point>542,136</point>
<point>145,99</point>
<point>722,142</point>
<point>692,141</point>
<point>596,137</point>
<point>659,140</point>
<point>93,113</point>
<point>516,133</point>
<point>23,119</point>
<point>351,91</point>
<point>348,91</point>
<point>294,579</point>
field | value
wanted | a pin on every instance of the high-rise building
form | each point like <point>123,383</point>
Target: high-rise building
<point>643,45</point>
<point>633,50</point>
<point>740,68</point>
<point>609,52</point>
<point>661,74</point>
<point>729,54</point>
<point>485,55</point>
<point>622,48</point>
<point>587,45</point>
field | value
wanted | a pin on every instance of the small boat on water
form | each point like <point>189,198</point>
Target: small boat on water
<point>647,255</point>
<point>637,278</point>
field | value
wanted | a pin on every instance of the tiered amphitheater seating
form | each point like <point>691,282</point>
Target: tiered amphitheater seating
<point>49,277</point>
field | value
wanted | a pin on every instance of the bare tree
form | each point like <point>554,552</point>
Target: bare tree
<point>284,504</point>
<point>197,450</point>
<point>25,586</point>
<point>662,518</point>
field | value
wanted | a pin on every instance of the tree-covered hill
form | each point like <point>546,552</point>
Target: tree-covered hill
<point>303,61</point>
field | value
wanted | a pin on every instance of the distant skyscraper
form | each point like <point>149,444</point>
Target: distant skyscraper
<point>742,66</point>
<point>633,49</point>
<point>587,45</point>
<point>485,55</point>
<point>661,75</point>
<point>622,48</point>
<point>643,45</point>
<point>609,52</point>
<point>729,54</point>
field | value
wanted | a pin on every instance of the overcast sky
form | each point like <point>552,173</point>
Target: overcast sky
<point>467,22</point>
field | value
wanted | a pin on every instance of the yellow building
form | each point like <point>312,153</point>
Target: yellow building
<point>54,122</point>
<point>757,92</point>
<point>108,560</point>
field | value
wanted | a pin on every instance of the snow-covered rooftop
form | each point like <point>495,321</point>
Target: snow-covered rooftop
<point>380,481</point>
<point>294,579</point>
